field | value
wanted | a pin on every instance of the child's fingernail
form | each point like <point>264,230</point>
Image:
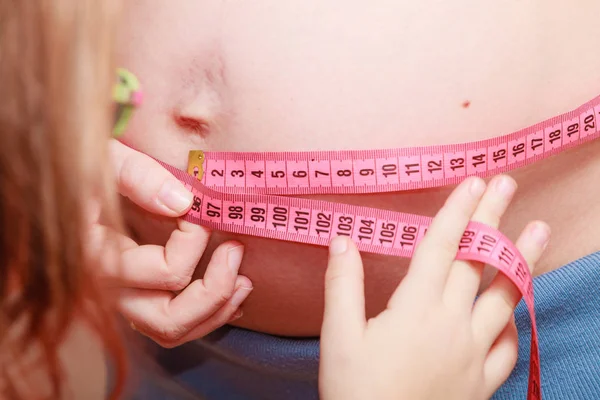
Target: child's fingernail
<point>175,196</point>
<point>234,258</point>
<point>477,187</point>
<point>540,232</point>
<point>505,186</point>
<point>338,245</point>
<point>237,315</point>
<point>239,296</point>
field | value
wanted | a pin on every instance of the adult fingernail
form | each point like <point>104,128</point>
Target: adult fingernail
<point>239,296</point>
<point>505,186</point>
<point>540,232</point>
<point>175,196</point>
<point>234,258</point>
<point>338,245</point>
<point>477,187</point>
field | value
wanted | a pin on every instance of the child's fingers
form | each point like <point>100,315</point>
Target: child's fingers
<point>171,320</point>
<point>172,316</point>
<point>230,312</point>
<point>495,306</point>
<point>436,252</point>
<point>165,268</point>
<point>344,316</point>
<point>149,266</point>
<point>222,270</point>
<point>501,359</point>
<point>465,276</point>
<point>144,181</point>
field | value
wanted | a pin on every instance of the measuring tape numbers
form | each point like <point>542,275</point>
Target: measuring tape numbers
<point>244,193</point>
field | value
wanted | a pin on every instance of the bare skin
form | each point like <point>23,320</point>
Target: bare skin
<point>300,75</point>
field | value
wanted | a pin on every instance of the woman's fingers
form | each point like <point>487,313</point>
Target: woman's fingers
<point>465,277</point>
<point>144,181</point>
<point>434,254</point>
<point>501,359</point>
<point>344,316</point>
<point>496,305</point>
<point>156,267</point>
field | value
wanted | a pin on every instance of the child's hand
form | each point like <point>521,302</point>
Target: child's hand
<point>431,342</point>
<point>156,289</point>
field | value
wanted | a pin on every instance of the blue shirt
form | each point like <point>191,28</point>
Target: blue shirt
<point>236,364</point>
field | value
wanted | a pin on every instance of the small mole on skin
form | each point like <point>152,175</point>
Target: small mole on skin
<point>466,104</point>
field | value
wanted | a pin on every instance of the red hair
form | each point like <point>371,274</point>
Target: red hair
<point>56,75</point>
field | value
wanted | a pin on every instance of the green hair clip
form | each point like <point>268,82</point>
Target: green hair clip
<point>127,96</point>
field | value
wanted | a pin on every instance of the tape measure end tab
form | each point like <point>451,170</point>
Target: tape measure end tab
<point>196,164</point>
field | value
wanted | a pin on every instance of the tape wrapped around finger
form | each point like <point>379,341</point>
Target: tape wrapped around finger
<point>240,193</point>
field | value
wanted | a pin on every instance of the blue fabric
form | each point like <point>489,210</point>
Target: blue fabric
<point>568,316</point>
<point>236,364</point>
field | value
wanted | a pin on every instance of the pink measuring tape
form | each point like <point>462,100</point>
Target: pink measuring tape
<point>237,192</point>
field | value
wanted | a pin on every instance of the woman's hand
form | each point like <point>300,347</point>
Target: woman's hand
<point>156,291</point>
<point>432,341</point>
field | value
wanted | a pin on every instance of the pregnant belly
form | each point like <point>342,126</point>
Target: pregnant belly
<point>317,76</point>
